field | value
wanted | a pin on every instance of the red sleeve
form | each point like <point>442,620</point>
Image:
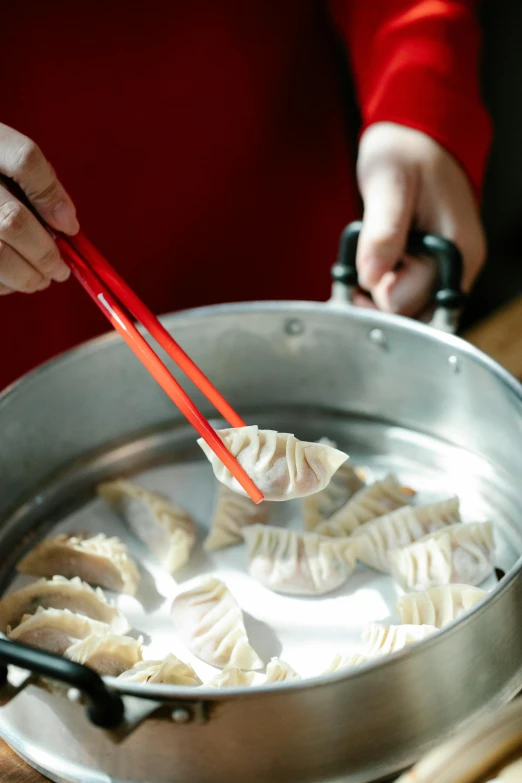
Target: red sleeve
<point>416,62</point>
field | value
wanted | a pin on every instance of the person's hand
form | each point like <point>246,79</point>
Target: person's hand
<point>29,258</point>
<point>407,181</point>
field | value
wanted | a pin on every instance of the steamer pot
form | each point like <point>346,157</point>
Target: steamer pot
<point>400,392</point>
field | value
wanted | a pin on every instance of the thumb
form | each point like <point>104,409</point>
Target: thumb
<point>388,196</point>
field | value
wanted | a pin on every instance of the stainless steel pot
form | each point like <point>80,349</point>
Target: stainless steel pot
<point>398,392</point>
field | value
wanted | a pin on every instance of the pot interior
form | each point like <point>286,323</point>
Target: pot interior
<point>305,632</point>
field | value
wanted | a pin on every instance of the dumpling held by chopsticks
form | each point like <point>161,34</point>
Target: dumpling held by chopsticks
<point>281,466</point>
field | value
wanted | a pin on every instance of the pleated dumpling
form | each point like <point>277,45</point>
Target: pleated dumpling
<point>386,639</point>
<point>97,559</point>
<point>60,593</point>
<point>55,630</point>
<point>439,605</point>
<point>298,563</point>
<point>370,502</point>
<point>109,655</point>
<point>400,528</point>
<point>279,671</point>
<point>281,466</point>
<point>459,554</point>
<point>343,485</point>
<point>167,530</point>
<point>169,671</point>
<point>346,662</point>
<point>211,624</point>
<point>233,512</point>
<point>231,676</point>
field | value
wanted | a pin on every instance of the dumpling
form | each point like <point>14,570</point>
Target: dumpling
<point>344,483</point>
<point>95,559</point>
<point>281,466</point>
<point>231,676</point>
<point>298,563</point>
<point>400,528</point>
<point>232,512</point>
<point>60,593</point>
<point>168,531</point>
<point>372,501</point>
<point>55,630</point>
<point>381,640</point>
<point>279,671</point>
<point>108,655</point>
<point>321,505</point>
<point>169,671</point>
<point>211,623</point>
<point>439,605</point>
<point>459,554</point>
<point>386,639</point>
<point>346,662</point>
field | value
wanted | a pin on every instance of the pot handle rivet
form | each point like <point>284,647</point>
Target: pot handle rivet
<point>181,715</point>
<point>378,337</point>
<point>454,364</point>
<point>74,695</point>
<point>294,327</point>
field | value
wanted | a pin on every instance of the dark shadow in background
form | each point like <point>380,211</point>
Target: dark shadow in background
<point>501,279</point>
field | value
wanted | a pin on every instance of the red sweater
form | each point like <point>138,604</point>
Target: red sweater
<point>203,141</point>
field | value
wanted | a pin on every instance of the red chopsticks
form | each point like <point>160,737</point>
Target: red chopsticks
<point>99,278</point>
<point>104,285</point>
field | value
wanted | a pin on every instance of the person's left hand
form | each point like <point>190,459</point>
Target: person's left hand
<point>407,180</point>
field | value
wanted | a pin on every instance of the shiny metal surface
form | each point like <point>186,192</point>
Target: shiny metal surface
<point>443,319</point>
<point>412,399</point>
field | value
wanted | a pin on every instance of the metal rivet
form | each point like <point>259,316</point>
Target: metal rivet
<point>294,326</point>
<point>74,695</point>
<point>454,364</point>
<point>378,337</point>
<point>181,715</point>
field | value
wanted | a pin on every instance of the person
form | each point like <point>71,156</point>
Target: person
<point>204,149</point>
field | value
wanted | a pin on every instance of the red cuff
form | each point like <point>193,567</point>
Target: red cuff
<point>414,97</point>
<point>416,62</point>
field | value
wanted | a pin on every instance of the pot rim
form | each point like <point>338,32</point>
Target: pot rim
<point>166,692</point>
<point>374,317</point>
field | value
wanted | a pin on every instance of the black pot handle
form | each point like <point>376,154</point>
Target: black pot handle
<point>104,706</point>
<point>449,296</point>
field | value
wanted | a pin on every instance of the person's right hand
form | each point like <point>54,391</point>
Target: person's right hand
<point>29,258</point>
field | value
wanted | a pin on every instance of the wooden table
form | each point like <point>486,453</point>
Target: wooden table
<point>500,336</point>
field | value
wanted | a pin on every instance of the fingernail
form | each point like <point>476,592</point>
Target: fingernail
<point>65,218</point>
<point>400,297</point>
<point>62,274</point>
<point>371,272</point>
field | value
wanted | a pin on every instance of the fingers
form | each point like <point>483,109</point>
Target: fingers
<point>458,219</point>
<point>27,240</point>
<point>22,160</point>
<point>29,258</point>
<point>388,193</point>
<point>17,275</point>
<point>406,179</point>
<point>361,299</point>
<point>409,290</point>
